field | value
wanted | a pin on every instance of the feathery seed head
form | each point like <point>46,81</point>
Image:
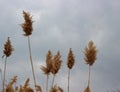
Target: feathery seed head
<point>27,25</point>
<point>70,59</point>
<point>26,84</point>
<point>49,60</point>
<point>56,63</point>
<point>90,53</point>
<point>56,89</point>
<point>8,48</point>
<point>38,88</point>
<point>46,69</point>
<point>9,86</point>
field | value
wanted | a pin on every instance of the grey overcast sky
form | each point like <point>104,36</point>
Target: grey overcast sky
<point>60,25</point>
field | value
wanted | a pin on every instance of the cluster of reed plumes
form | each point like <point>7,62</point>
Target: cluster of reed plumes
<point>53,63</point>
<point>11,87</point>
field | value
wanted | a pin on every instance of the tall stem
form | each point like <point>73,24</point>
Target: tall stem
<point>31,61</point>
<point>47,83</point>
<point>4,73</point>
<point>68,80</point>
<point>53,80</point>
<point>89,76</point>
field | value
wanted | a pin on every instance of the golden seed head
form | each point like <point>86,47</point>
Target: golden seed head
<point>27,25</point>
<point>26,84</point>
<point>90,53</point>
<point>49,60</point>
<point>70,59</point>
<point>38,88</point>
<point>9,86</point>
<point>8,48</point>
<point>56,89</point>
<point>56,63</point>
<point>46,69</point>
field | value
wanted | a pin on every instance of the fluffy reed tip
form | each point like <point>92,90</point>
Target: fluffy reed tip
<point>90,53</point>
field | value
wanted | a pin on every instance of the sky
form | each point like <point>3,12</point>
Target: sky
<point>60,25</point>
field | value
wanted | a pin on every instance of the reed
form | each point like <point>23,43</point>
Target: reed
<point>90,54</point>
<point>8,49</point>
<point>27,29</point>
<point>70,64</point>
<point>46,69</point>
<point>56,65</point>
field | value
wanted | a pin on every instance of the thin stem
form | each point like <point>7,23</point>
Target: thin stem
<point>4,73</point>
<point>53,80</point>
<point>89,76</point>
<point>47,83</point>
<point>68,80</point>
<point>31,61</point>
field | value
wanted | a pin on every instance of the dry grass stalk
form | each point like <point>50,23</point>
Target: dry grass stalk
<point>90,56</point>
<point>70,64</point>
<point>46,69</point>
<point>8,48</point>
<point>27,28</point>
<point>56,65</point>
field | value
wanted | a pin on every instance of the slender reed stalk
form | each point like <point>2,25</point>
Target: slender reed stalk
<point>68,80</point>
<point>31,61</point>
<point>4,77</point>
<point>53,80</point>
<point>47,83</point>
<point>70,64</point>
<point>89,76</point>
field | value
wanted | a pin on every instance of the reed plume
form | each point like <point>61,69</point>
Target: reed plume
<point>27,28</point>
<point>56,65</point>
<point>56,88</point>
<point>70,64</point>
<point>46,69</point>
<point>38,88</point>
<point>26,87</point>
<point>90,54</point>
<point>27,25</point>
<point>9,87</point>
<point>8,49</point>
